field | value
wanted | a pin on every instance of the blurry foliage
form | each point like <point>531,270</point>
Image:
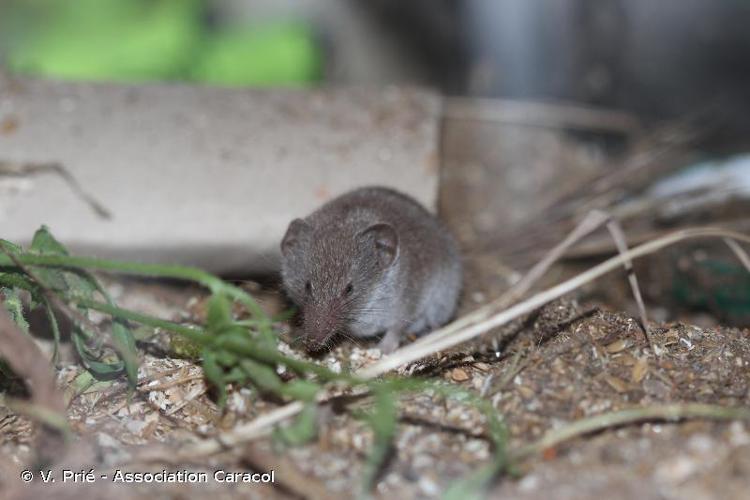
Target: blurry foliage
<point>281,53</point>
<point>146,40</point>
<point>232,352</point>
<point>120,358</point>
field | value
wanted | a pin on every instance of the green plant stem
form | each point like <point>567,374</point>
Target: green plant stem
<point>273,356</point>
<point>254,347</point>
<point>197,335</point>
<point>41,414</point>
<point>213,283</point>
<point>193,333</point>
<point>671,412</point>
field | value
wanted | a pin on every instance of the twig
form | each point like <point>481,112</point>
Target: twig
<point>170,383</point>
<point>414,352</point>
<point>289,478</point>
<point>263,425</point>
<point>596,423</point>
<point>260,427</point>
<point>590,223</point>
<point>593,220</point>
<point>739,252</point>
<point>24,169</point>
<point>28,362</point>
<point>622,247</point>
<point>47,405</point>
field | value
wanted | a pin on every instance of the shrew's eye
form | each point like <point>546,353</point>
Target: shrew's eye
<point>348,290</point>
<point>308,288</point>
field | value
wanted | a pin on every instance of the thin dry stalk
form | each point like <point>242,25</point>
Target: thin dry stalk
<point>290,479</point>
<point>596,423</point>
<point>477,324</point>
<point>593,220</point>
<point>260,427</point>
<point>415,351</point>
<point>739,252</point>
<point>26,169</point>
<point>27,361</point>
<point>622,247</point>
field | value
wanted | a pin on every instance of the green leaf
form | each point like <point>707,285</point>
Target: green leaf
<point>215,375</point>
<point>82,284</point>
<point>219,313</point>
<point>11,247</point>
<point>104,371</point>
<point>14,305</point>
<point>225,358</point>
<point>237,341</point>
<point>100,369</point>
<point>383,423</point>
<point>125,345</point>
<point>55,327</point>
<point>82,383</point>
<point>44,243</point>
<point>301,390</point>
<point>75,281</point>
<point>299,432</point>
<point>475,484</point>
<point>263,376</point>
<point>236,375</point>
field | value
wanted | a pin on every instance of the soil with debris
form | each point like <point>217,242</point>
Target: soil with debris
<point>561,364</point>
<point>567,361</point>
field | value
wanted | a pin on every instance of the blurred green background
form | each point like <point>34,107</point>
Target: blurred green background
<point>147,40</point>
<point>656,59</point>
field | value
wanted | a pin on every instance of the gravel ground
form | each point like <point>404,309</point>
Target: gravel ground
<point>567,361</point>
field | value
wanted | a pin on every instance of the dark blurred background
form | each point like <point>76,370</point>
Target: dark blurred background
<point>564,97</point>
<point>659,59</point>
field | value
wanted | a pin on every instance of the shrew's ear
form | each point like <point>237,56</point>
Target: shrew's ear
<point>295,233</point>
<point>384,238</point>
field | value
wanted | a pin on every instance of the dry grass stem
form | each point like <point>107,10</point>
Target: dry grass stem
<point>418,351</point>
<point>463,329</point>
<point>672,412</point>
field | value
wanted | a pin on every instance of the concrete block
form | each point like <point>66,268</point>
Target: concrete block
<point>197,175</point>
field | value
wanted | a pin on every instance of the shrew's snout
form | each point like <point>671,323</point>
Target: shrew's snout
<point>318,326</point>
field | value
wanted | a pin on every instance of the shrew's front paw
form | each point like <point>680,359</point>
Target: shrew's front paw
<point>390,341</point>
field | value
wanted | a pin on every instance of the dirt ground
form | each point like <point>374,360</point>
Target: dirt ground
<point>577,357</point>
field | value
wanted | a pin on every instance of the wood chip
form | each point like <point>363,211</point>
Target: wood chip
<point>459,375</point>
<point>627,359</point>
<point>617,384</point>
<point>526,392</point>
<point>617,346</point>
<point>639,371</point>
